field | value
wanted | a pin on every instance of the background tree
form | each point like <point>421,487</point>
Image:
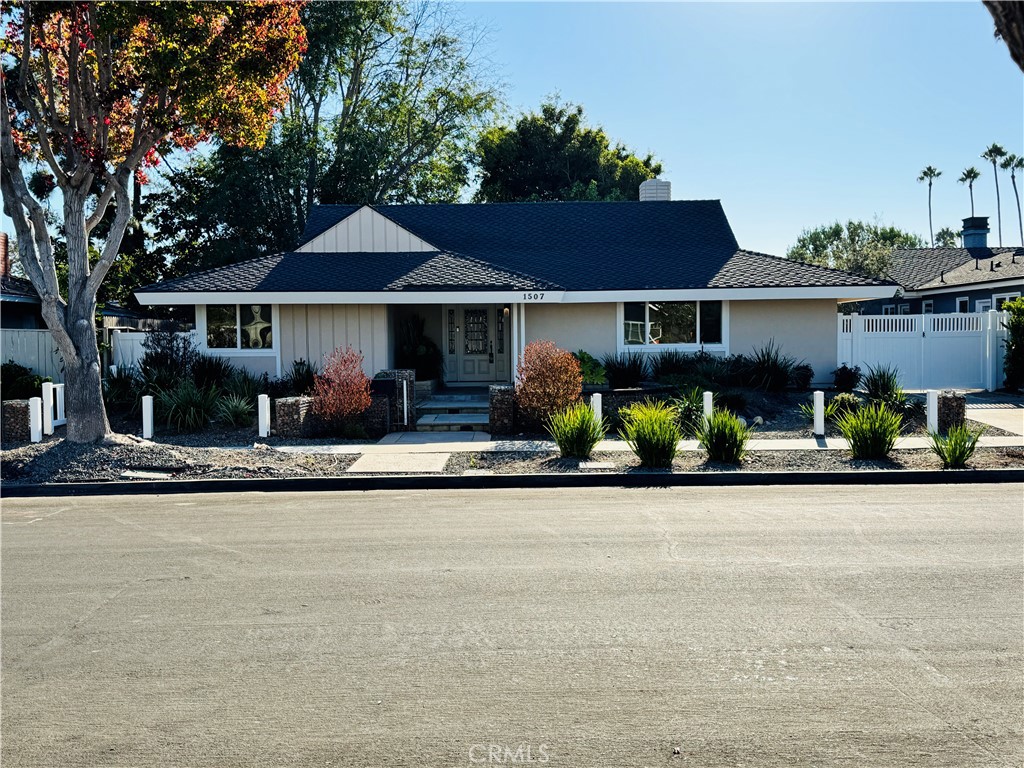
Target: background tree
<point>93,91</point>
<point>860,247</point>
<point>929,174</point>
<point>385,106</point>
<point>968,177</point>
<point>994,154</point>
<point>947,238</point>
<point>553,155</point>
<point>1013,163</point>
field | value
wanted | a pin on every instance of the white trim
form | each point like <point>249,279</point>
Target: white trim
<point>983,305</point>
<point>1009,282</point>
<point>904,309</point>
<point>1005,297</point>
<point>967,304</point>
<point>888,310</point>
<point>622,346</point>
<point>503,297</point>
<point>927,307</point>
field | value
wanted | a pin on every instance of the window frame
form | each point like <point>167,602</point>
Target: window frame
<point>997,297</point>
<point>979,302</point>
<point>928,307</point>
<point>238,350</point>
<point>967,305</point>
<point>888,310</point>
<point>697,346</point>
<point>904,309</point>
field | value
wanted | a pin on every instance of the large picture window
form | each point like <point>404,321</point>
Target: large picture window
<point>234,326</point>
<point>672,322</point>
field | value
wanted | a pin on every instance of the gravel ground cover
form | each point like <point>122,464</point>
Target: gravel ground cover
<point>756,461</point>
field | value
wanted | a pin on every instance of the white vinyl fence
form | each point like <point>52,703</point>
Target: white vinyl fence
<point>955,351</point>
<point>34,349</point>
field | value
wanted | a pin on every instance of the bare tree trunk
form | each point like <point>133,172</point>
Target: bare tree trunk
<point>999,205</point>
<point>1016,194</point>
<point>83,395</point>
<point>1009,22</point>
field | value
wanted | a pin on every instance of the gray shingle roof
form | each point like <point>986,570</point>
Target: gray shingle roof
<point>914,268</point>
<point>998,266</point>
<point>17,288</point>
<point>542,246</point>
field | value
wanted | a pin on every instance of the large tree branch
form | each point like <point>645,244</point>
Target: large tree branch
<point>1009,21</point>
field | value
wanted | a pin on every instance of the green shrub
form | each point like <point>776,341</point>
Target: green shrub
<point>19,383</point>
<point>771,370</point>
<point>731,400</point>
<point>915,409</point>
<point>188,408</point>
<point>625,370</point>
<point>210,371</point>
<point>1013,359</point>
<point>831,410</point>
<point>651,429</point>
<point>845,378</point>
<point>301,377</point>
<point>168,350</point>
<point>882,385</point>
<point>957,447</point>
<point>871,431</point>
<point>845,402</point>
<point>724,437</point>
<point>690,407</point>
<point>590,368</point>
<point>801,376</point>
<point>246,385</point>
<point>235,410</point>
<point>576,430</point>
<point>670,362</point>
<point>121,388</point>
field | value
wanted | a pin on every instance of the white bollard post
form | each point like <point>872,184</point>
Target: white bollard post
<point>59,392</point>
<point>35,419</point>
<point>47,407</point>
<point>709,404</point>
<point>147,417</point>
<point>264,414</point>
<point>819,414</point>
<point>595,404</point>
<point>933,410</point>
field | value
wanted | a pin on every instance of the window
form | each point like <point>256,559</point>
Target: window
<point>962,304</point>
<point>904,309</point>
<point>1002,298</point>
<point>982,305</point>
<point>672,322</point>
<point>245,326</point>
<point>927,307</point>
<point>889,309</point>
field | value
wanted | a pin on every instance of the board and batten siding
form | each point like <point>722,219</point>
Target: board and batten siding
<point>366,231</point>
<point>311,331</point>
<point>802,328</point>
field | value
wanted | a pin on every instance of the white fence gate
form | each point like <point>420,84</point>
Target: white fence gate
<point>34,349</point>
<point>956,351</point>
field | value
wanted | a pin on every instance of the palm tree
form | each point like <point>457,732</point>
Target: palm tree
<point>968,177</point>
<point>929,174</point>
<point>1013,163</point>
<point>994,154</point>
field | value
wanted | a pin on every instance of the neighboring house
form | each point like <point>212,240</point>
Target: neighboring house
<point>488,278</point>
<point>19,302</point>
<point>975,278</point>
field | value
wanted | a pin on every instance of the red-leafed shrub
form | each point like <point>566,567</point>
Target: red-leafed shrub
<point>549,381</point>
<point>342,391</point>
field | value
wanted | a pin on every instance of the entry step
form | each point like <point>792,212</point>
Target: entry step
<point>452,405</point>
<point>452,422</point>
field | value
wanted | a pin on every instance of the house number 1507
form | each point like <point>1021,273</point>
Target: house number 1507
<point>533,297</point>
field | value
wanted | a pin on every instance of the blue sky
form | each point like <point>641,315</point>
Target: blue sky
<point>793,114</point>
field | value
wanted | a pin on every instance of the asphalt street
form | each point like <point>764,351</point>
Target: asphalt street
<point>849,626</point>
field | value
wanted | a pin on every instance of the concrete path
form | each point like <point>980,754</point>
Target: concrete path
<point>1003,412</point>
<point>773,627</point>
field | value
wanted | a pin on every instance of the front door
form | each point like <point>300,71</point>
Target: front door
<point>475,343</point>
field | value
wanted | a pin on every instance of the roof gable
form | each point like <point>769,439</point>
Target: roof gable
<point>362,230</point>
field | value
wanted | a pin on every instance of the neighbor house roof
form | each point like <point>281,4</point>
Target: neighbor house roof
<point>17,289</point>
<point>585,247</point>
<point>1007,264</point>
<point>917,268</point>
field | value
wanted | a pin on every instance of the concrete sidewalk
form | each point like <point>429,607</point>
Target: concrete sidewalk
<point>454,442</point>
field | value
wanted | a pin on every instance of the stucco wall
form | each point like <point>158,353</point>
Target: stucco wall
<point>804,329</point>
<point>590,327</point>
<point>311,331</point>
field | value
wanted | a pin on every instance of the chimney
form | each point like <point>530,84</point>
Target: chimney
<point>5,257</point>
<point>976,232</point>
<point>655,190</point>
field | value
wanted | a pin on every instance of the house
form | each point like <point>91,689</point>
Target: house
<point>604,277</point>
<point>19,302</point>
<point>974,278</point>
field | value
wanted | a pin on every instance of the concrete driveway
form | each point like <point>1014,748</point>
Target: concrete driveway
<point>678,627</point>
<point>997,410</point>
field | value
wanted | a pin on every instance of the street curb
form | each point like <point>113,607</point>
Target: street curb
<point>552,480</point>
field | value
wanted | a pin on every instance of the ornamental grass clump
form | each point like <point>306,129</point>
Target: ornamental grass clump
<point>771,370</point>
<point>188,407</point>
<point>235,411</point>
<point>724,437</point>
<point>576,430</point>
<point>882,385</point>
<point>690,407</point>
<point>871,431</point>
<point>957,447</point>
<point>651,429</point>
<point>549,381</point>
<point>625,370</point>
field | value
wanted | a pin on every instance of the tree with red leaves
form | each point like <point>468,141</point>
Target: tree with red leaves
<point>93,92</point>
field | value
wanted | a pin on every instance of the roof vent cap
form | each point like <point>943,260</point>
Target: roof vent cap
<point>655,190</point>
